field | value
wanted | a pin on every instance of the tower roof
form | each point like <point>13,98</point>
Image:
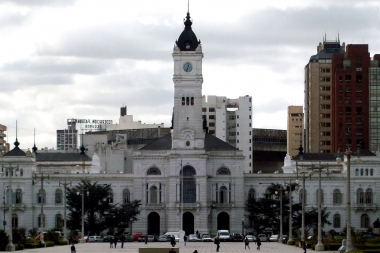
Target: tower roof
<point>188,41</point>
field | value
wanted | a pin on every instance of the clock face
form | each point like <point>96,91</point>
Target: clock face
<point>187,67</point>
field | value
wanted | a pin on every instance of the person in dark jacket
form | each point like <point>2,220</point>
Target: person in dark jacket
<point>246,242</point>
<point>111,242</point>
<point>115,240</point>
<point>122,240</point>
<point>217,242</point>
<point>258,243</point>
<point>172,241</point>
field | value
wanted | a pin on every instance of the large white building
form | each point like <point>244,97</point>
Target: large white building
<point>231,121</point>
<point>188,179</point>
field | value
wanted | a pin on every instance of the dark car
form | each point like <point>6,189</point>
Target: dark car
<point>141,238</point>
<point>107,238</point>
<point>236,237</point>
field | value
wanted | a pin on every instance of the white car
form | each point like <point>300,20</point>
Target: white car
<point>206,238</point>
<point>193,238</point>
<point>95,238</point>
<point>273,238</point>
<point>262,237</point>
<point>251,238</point>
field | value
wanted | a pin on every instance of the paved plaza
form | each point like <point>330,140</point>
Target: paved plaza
<point>201,247</point>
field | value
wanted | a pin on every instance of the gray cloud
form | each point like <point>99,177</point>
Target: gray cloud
<point>37,3</point>
<point>13,19</point>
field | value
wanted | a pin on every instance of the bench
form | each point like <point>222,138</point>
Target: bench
<point>157,250</point>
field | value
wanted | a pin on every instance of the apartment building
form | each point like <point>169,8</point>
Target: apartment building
<point>294,130</point>
<point>4,146</point>
<point>68,138</point>
<point>231,121</point>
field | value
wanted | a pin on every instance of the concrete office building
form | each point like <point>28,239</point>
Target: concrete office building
<point>4,146</point>
<point>68,138</point>
<point>294,129</point>
<point>231,121</point>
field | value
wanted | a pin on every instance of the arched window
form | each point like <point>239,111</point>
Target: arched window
<point>58,221</point>
<point>43,220</point>
<point>357,172</point>
<point>110,196</point>
<point>322,197</point>
<point>364,221</point>
<point>223,171</point>
<point>126,196</point>
<point>187,178</point>
<point>18,197</point>
<point>366,172</point>
<point>58,196</point>
<point>153,171</point>
<point>41,196</point>
<point>336,221</point>
<point>21,172</point>
<point>153,194</point>
<point>187,101</point>
<point>14,220</point>
<point>337,197</point>
<point>361,172</point>
<point>371,172</point>
<point>301,194</point>
<point>251,194</point>
<point>183,100</point>
<point>223,195</point>
<point>192,100</point>
<point>360,196</point>
<point>368,196</point>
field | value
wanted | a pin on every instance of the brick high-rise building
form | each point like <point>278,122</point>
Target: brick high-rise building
<point>318,98</point>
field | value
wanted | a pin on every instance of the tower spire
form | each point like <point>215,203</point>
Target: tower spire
<point>188,4</point>
<point>16,142</point>
<point>34,147</point>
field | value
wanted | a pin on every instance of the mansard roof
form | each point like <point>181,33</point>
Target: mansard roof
<point>16,151</point>
<point>61,157</point>
<point>212,143</point>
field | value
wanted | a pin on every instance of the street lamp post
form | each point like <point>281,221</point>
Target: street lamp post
<point>9,170</point>
<point>130,227</point>
<point>348,153</point>
<point>290,211</point>
<point>280,192</point>
<point>42,200</point>
<point>65,184</point>
<point>82,240</point>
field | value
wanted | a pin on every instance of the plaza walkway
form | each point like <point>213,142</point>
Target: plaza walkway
<point>202,247</point>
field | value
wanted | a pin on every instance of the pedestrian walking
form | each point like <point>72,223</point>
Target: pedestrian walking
<point>115,240</point>
<point>111,242</point>
<point>73,250</point>
<point>185,239</point>
<point>146,239</point>
<point>304,246</point>
<point>258,243</point>
<point>217,242</point>
<point>246,242</point>
<point>172,240</point>
<point>122,239</point>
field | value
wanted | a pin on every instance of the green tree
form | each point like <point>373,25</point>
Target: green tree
<point>4,240</point>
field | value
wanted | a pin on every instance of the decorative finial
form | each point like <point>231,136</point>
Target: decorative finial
<point>34,147</point>
<point>16,142</point>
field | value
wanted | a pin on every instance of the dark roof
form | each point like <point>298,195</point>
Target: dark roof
<point>330,156</point>
<point>64,157</point>
<point>16,151</point>
<point>187,41</point>
<point>211,143</point>
<point>329,48</point>
<point>263,155</point>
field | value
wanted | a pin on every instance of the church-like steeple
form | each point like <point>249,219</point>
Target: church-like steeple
<point>188,41</point>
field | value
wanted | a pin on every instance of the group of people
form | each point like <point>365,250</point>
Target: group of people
<point>115,239</point>
<point>246,243</point>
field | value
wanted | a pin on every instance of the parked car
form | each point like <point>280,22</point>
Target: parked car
<point>141,238</point>
<point>107,238</point>
<point>263,237</point>
<point>236,237</point>
<point>95,238</point>
<point>152,238</point>
<point>273,238</point>
<point>193,238</point>
<point>206,238</point>
<point>368,236</point>
<point>251,238</point>
<point>136,236</point>
<point>163,238</point>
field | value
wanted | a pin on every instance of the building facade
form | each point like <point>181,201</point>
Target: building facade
<point>4,146</point>
<point>68,138</point>
<point>231,121</point>
<point>294,129</point>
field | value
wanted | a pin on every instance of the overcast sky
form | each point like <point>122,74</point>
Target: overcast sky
<point>62,59</point>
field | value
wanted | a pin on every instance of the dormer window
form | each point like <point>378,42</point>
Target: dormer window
<point>187,45</point>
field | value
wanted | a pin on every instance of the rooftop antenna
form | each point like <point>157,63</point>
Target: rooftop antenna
<point>16,142</point>
<point>34,147</point>
<point>338,36</point>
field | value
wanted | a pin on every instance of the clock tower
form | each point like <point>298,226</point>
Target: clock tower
<point>187,119</point>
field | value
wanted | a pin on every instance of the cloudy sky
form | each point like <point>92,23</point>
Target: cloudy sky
<point>62,59</point>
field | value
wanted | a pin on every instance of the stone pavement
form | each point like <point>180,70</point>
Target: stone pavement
<point>201,247</point>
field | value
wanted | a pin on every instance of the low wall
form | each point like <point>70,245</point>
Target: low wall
<point>157,250</point>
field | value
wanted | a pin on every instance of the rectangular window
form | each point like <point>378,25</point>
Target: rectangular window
<point>211,131</point>
<point>211,109</point>
<point>211,116</point>
<point>358,78</point>
<point>324,107</point>
<point>348,78</point>
<point>204,109</point>
<point>324,115</point>
<point>348,89</point>
<point>324,88</point>
<point>324,133</point>
<point>348,110</point>
<point>324,97</point>
<point>211,124</point>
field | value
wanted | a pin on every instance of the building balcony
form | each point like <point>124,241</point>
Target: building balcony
<point>154,204</point>
<point>365,207</point>
<point>187,205</point>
